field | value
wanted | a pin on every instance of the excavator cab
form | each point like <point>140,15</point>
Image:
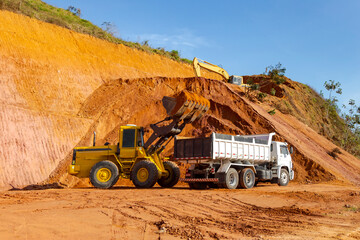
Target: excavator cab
<point>238,80</point>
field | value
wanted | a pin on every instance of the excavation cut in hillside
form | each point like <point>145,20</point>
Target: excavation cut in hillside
<point>138,101</point>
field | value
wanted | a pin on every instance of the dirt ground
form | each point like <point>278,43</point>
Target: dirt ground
<point>312,211</point>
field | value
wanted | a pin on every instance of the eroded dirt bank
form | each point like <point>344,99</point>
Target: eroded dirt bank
<point>315,211</point>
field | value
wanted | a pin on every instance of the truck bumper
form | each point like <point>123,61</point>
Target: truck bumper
<point>74,169</point>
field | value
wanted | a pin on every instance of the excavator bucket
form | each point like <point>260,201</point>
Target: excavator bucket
<point>186,106</point>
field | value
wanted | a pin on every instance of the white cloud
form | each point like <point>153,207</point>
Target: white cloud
<point>183,38</point>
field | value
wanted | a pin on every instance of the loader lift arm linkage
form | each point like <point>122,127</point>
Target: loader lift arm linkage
<point>181,110</point>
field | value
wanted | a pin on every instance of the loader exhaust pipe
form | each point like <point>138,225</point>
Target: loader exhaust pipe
<point>94,140</point>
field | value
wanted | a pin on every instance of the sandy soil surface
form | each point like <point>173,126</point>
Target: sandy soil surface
<point>312,211</point>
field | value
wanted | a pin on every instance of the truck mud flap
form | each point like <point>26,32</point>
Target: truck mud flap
<point>221,176</point>
<point>199,179</point>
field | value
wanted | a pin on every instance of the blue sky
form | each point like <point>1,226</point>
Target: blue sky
<point>316,40</point>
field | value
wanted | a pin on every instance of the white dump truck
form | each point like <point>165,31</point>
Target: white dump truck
<point>229,161</point>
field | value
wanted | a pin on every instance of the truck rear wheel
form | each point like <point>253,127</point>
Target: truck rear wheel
<point>247,178</point>
<point>104,174</point>
<point>144,174</point>
<point>284,178</point>
<point>231,179</point>
<point>173,177</point>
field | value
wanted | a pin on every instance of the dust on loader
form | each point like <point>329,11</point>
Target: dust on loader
<point>134,159</point>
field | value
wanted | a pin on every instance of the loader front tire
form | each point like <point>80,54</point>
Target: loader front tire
<point>173,177</point>
<point>104,174</point>
<point>144,174</point>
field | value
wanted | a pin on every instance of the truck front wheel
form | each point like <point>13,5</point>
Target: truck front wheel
<point>247,178</point>
<point>144,174</point>
<point>173,177</point>
<point>104,174</point>
<point>284,178</point>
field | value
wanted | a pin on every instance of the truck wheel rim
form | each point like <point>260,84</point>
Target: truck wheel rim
<point>142,174</point>
<point>103,174</point>
<point>283,177</point>
<point>232,179</point>
<point>248,178</point>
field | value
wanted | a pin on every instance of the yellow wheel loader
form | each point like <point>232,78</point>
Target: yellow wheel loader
<point>133,158</point>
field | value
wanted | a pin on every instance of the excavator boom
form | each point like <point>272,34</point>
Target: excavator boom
<point>198,63</point>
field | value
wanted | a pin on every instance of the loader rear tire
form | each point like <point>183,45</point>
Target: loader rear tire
<point>247,178</point>
<point>173,177</point>
<point>144,174</point>
<point>104,174</point>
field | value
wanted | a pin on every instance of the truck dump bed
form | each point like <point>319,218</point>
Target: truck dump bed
<point>252,148</point>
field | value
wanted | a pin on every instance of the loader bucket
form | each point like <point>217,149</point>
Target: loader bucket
<point>186,106</point>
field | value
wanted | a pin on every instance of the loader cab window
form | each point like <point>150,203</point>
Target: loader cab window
<point>140,141</point>
<point>128,138</point>
<point>284,150</point>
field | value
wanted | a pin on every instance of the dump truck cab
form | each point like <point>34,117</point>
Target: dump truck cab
<point>281,156</point>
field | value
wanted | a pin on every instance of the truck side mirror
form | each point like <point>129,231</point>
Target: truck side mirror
<point>291,150</point>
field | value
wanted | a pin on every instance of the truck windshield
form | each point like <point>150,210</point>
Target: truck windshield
<point>284,150</point>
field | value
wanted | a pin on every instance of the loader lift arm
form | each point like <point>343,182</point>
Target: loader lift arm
<point>181,110</point>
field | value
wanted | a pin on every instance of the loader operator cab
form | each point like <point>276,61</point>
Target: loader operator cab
<point>130,138</point>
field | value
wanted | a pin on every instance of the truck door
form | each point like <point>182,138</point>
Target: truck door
<point>127,145</point>
<point>284,158</point>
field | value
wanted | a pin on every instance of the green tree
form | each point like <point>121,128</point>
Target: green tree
<point>351,139</point>
<point>333,86</point>
<point>74,10</point>
<point>276,73</point>
<point>331,105</point>
<point>109,27</point>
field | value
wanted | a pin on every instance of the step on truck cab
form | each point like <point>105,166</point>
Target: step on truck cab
<point>229,161</point>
